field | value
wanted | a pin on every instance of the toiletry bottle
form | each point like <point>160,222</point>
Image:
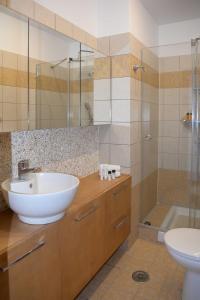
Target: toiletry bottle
<point>109,175</point>
<point>113,174</point>
<point>105,173</point>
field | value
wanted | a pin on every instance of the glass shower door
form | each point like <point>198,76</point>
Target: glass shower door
<point>194,214</point>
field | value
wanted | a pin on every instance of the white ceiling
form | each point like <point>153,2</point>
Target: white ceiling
<point>170,11</point>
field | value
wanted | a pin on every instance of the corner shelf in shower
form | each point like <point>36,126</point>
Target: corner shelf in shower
<point>188,123</point>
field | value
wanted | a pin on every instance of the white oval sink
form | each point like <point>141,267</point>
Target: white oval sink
<point>42,198</point>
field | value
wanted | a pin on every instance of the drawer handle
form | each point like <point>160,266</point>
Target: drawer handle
<point>121,223</point>
<point>119,190</point>
<point>36,247</point>
<point>86,214</point>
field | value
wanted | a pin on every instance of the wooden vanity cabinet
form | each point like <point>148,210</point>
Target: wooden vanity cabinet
<point>31,270</point>
<point>90,236</point>
<point>117,216</point>
<point>82,246</point>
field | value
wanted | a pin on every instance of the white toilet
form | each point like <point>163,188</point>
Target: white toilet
<point>184,246</point>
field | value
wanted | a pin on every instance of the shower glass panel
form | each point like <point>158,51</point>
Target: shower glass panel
<point>195,162</point>
<point>167,133</point>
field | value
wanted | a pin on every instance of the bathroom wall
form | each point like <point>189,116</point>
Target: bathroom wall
<point>84,16</point>
<point>179,32</point>
<point>175,138</point>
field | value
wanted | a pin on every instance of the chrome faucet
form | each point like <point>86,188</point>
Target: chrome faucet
<point>23,169</point>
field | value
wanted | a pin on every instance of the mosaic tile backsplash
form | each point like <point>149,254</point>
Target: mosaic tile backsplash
<point>63,150</point>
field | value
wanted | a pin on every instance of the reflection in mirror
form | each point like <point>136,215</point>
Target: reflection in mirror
<point>95,88</point>
<point>54,76</point>
<point>14,71</point>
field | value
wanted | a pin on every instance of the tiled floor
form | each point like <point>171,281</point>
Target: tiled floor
<point>114,281</point>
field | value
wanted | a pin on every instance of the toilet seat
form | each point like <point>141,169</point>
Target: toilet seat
<point>185,242</point>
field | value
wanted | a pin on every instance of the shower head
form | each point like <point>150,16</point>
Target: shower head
<point>71,59</point>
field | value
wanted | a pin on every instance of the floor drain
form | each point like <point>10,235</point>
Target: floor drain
<point>140,276</point>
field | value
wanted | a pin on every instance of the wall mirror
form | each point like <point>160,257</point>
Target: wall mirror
<point>49,80</point>
<point>95,87</point>
<point>54,72</point>
<point>13,71</point>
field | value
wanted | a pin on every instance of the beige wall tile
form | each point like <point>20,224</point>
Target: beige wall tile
<point>1,114</point>
<point>103,45</point>
<point>79,34</point>
<point>185,62</point>
<point>91,40</point>
<point>22,125</point>
<point>22,111</point>
<point>120,44</point>
<point>9,60</point>
<point>121,66</point>
<point>102,68</point>
<point>9,94</point>
<point>22,63</point>
<point>25,7</point>
<point>173,187</point>
<point>1,93</point>
<point>149,194</point>
<point>44,15</point>
<point>22,95</point>
<point>9,111</point>
<point>32,112</point>
<point>9,126</point>
<point>169,64</point>
<point>9,77</point>
<point>64,26</point>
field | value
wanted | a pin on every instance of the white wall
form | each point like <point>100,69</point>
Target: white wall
<point>179,32</point>
<point>113,17</point>
<point>119,16</point>
<point>141,24</point>
<point>79,12</point>
<point>108,17</point>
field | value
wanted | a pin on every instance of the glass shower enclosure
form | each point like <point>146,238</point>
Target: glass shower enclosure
<point>170,191</point>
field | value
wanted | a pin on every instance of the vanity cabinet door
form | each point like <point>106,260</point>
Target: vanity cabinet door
<point>31,271</point>
<point>118,216</point>
<point>82,246</point>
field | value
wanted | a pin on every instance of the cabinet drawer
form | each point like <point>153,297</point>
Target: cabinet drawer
<point>118,233</point>
<point>119,202</point>
<point>82,249</point>
<point>31,270</point>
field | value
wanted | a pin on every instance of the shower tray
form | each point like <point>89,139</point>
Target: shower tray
<point>177,217</point>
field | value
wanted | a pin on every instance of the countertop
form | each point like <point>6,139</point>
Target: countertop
<point>14,232</point>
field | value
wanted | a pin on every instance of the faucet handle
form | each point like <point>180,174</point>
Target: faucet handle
<point>23,164</point>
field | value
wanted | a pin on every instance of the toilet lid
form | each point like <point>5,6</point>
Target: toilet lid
<point>186,241</point>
